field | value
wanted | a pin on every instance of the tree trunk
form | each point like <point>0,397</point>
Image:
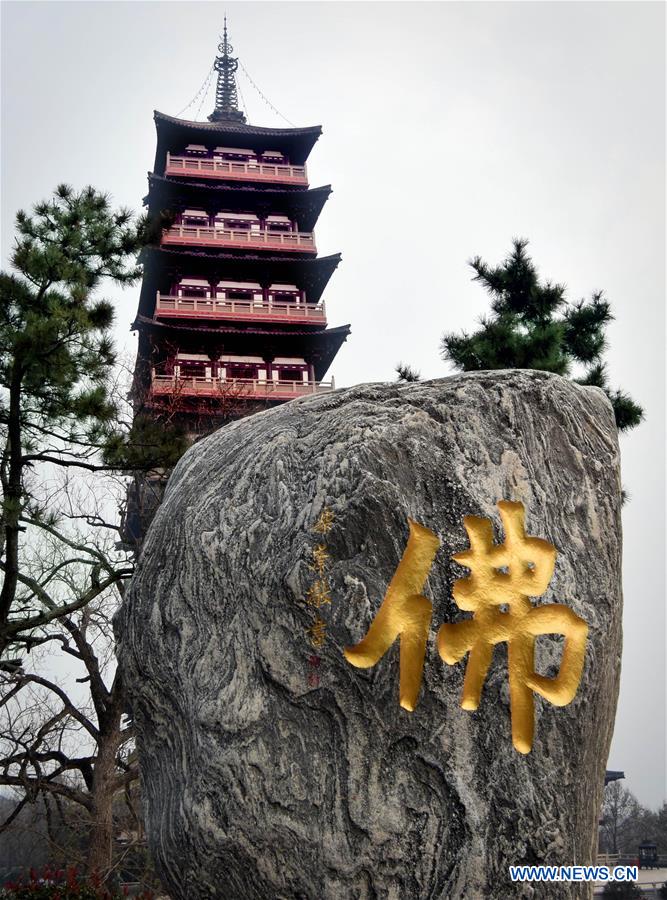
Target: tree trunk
<point>12,503</point>
<point>100,849</point>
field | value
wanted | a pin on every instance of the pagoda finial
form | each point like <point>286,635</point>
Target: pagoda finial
<point>226,99</point>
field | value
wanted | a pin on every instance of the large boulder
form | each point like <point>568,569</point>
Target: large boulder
<point>275,769</point>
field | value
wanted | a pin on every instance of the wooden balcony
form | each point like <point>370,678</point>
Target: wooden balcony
<point>240,239</point>
<point>245,310</point>
<point>235,388</point>
<point>236,171</point>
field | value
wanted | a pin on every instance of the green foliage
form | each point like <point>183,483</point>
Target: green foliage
<point>622,890</point>
<point>56,361</point>
<point>406,373</point>
<point>627,412</point>
<point>54,335</point>
<point>532,326</point>
<point>55,342</point>
<point>149,444</point>
<point>151,228</point>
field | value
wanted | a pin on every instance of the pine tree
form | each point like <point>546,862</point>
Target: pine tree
<point>63,569</point>
<point>532,326</point>
<point>57,365</point>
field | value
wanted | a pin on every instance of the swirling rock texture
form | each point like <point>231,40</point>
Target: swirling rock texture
<point>261,783</point>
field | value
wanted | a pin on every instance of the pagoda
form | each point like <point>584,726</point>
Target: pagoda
<point>231,318</point>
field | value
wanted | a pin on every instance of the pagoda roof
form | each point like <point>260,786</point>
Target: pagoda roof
<point>319,345</point>
<point>162,265</point>
<point>295,143</point>
<point>304,206</point>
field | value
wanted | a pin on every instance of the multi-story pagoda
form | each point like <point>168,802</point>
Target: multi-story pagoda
<point>231,317</point>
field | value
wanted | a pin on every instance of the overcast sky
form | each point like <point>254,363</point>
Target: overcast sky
<point>449,128</point>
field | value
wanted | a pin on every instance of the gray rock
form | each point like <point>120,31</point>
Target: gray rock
<point>260,783</point>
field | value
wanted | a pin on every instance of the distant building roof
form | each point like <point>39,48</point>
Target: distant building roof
<point>611,775</point>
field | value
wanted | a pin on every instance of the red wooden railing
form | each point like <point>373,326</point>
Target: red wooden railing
<point>216,308</point>
<point>239,171</point>
<point>243,388</point>
<point>264,239</point>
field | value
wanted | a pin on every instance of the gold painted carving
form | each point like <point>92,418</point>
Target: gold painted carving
<point>319,594</point>
<point>405,614</point>
<point>502,579</point>
<point>324,522</point>
<point>317,632</point>
<point>508,574</point>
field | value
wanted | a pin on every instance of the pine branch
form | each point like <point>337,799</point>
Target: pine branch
<point>406,373</point>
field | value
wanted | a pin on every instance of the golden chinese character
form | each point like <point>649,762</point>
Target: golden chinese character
<point>320,557</point>
<point>507,575</point>
<point>317,632</point>
<point>318,593</point>
<point>324,523</point>
<point>404,613</point>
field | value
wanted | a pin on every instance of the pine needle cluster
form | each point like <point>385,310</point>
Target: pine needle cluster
<point>407,374</point>
<point>532,326</point>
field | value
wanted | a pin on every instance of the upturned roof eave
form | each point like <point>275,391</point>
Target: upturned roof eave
<point>237,128</point>
<point>333,258</point>
<point>320,345</point>
<point>298,142</point>
<point>306,205</point>
<point>313,274</point>
<point>249,189</point>
<point>147,322</point>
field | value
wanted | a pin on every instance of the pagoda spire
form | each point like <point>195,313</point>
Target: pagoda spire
<point>226,99</point>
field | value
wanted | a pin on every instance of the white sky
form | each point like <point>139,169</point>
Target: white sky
<point>449,128</point>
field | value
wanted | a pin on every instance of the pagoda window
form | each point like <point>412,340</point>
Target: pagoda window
<point>242,371</point>
<point>274,156</point>
<point>195,218</point>
<point>235,154</point>
<point>193,365</point>
<point>278,223</point>
<point>244,367</point>
<point>193,287</point>
<point>286,374</point>
<point>237,221</point>
<point>249,291</point>
<point>196,150</point>
<point>285,293</point>
<point>191,369</point>
<point>289,369</point>
<point>285,297</point>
